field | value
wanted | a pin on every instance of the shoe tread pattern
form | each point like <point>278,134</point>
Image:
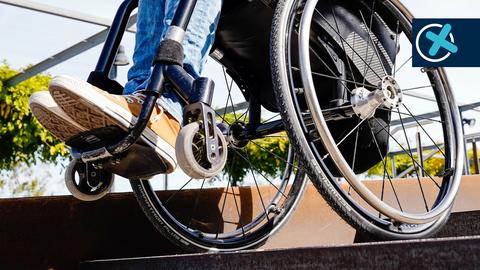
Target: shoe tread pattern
<point>85,114</point>
<point>61,128</point>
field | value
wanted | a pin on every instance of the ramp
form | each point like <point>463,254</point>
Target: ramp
<point>448,253</point>
<point>61,232</point>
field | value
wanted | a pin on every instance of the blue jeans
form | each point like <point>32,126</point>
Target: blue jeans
<point>154,17</point>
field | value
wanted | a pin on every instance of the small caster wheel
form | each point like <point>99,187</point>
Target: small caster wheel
<point>191,156</point>
<point>87,183</point>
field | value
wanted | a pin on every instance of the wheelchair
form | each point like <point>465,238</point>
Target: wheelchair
<point>332,74</point>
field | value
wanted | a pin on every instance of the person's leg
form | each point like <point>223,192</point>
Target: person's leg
<point>94,108</point>
<point>150,28</point>
<point>200,32</point>
<point>197,44</point>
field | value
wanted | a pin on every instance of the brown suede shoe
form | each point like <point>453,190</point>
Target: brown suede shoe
<point>94,108</point>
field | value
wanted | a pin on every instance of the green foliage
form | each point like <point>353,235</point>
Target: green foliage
<point>257,158</point>
<point>471,158</point>
<point>434,166</point>
<point>22,139</point>
<point>262,156</point>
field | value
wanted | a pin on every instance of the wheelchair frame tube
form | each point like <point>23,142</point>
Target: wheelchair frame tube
<point>183,14</point>
<point>114,37</point>
<point>156,81</point>
<point>162,72</point>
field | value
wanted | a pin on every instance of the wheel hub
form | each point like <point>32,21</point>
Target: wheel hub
<point>234,132</point>
<point>366,102</point>
<point>392,92</point>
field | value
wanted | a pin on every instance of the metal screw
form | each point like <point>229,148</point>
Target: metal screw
<point>115,161</point>
<point>276,210</point>
<point>299,91</point>
<point>97,166</point>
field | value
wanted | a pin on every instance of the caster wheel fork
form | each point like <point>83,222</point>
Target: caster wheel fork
<point>191,152</point>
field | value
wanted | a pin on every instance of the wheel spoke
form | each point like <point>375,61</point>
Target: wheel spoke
<point>329,69</point>
<point>236,207</point>
<point>258,171</point>
<point>355,128</point>
<point>366,69</point>
<point>233,105</point>
<point>383,188</point>
<point>244,114</point>
<point>345,137</point>
<point>271,118</point>
<point>229,96</point>
<point>333,77</point>
<point>397,38</point>
<point>383,128</point>
<point>337,108</point>
<point>355,148</point>
<point>385,167</point>
<point>277,136</point>
<point>277,156</point>
<point>371,40</point>
<point>343,46</point>
<point>177,191</point>
<point>225,110</point>
<point>415,167</point>
<point>418,88</point>
<point>356,53</point>
<point>224,202</point>
<point>258,190</point>
<point>354,155</point>
<point>428,135</point>
<point>197,198</point>
<point>407,114</point>
<point>402,65</point>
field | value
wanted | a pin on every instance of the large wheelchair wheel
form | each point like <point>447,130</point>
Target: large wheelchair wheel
<point>242,206</point>
<point>381,140</point>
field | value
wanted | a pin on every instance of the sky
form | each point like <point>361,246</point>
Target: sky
<point>28,37</point>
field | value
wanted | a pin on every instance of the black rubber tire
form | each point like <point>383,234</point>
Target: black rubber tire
<point>330,192</point>
<point>163,223</point>
<point>167,224</point>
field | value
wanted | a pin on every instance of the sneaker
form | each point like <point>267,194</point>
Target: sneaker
<point>52,117</point>
<point>94,108</point>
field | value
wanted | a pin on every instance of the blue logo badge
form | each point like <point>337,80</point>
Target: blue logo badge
<point>445,43</point>
<point>440,41</point>
<point>443,40</point>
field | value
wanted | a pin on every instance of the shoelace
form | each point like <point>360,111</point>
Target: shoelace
<point>139,97</point>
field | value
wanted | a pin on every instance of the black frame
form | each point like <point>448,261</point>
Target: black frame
<point>195,93</point>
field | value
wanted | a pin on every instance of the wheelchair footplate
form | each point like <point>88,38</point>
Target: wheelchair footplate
<point>139,162</point>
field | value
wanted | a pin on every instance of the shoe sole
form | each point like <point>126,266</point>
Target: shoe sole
<point>58,125</point>
<point>92,110</point>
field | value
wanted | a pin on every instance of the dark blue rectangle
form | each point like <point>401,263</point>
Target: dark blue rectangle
<point>446,43</point>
